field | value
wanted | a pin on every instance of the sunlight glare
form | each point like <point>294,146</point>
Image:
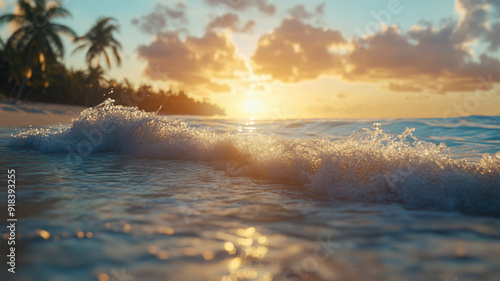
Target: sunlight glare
<point>252,106</point>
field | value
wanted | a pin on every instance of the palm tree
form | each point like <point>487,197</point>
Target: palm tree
<point>37,39</point>
<point>99,39</point>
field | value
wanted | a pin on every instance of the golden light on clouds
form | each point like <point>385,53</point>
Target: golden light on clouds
<point>302,57</point>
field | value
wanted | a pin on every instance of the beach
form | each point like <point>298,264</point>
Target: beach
<point>36,114</point>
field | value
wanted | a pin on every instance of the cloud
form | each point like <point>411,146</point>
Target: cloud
<point>156,22</point>
<point>473,20</point>
<point>494,37</point>
<point>242,5</point>
<point>300,12</point>
<point>199,64</point>
<point>389,54</point>
<point>3,5</point>
<point>266,8</point>
<point>296,51</point>
<point>427,57</point>
<point>400,87</point>
<point>342,95</point>
<point>231,21</point>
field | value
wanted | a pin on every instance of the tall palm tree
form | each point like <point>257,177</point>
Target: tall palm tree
<point>38,38</point>
<point>99,40</point>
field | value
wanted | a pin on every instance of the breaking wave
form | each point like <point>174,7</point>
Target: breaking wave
<point>370,165</point>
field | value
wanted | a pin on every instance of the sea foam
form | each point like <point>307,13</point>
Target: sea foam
<point>369,166</point>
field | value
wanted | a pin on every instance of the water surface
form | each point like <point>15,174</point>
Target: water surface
<point>125,195</point>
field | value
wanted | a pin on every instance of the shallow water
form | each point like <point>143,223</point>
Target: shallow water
<point>255,200</point>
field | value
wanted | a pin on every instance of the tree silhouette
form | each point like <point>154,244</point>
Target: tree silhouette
<point>98,40</point>
<point>37,38</point>
<point>29,61</point>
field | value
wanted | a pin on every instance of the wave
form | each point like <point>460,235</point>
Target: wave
<point>370,165</point>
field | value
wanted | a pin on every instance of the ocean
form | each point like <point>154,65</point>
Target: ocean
<point>121,194</point>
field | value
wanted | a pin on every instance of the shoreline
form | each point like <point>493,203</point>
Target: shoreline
<point>37,114</point>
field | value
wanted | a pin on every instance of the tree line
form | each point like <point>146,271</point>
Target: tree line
<point>31,67</point>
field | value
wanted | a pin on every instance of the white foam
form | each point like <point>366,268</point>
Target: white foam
<point>369,166</point>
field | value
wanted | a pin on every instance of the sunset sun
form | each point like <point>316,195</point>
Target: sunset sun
<point>253,106</point>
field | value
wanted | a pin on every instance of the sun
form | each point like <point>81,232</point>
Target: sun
<point>252,106</point>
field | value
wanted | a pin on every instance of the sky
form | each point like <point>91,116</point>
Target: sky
<point>275,59</point>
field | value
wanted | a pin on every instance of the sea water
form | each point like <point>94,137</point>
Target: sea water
<point>121,194</point>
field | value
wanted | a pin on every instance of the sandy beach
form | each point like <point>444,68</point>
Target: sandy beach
<point>37,114</point>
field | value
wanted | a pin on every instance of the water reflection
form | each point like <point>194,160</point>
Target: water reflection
<point>251,248</point>
<point>131,214</point>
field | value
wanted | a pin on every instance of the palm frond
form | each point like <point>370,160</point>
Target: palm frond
<point>106,56</point>
<point>115,43</point>
<point>26,9</point>
<point>41,3</point>
<point>80,48</point>
<point>17,38</point>
<point>117,56</point>
<point>57,12</point>
<point>64,30</point>
<point>55,40</point>
<point>91,54</point>
<point>11,17</point>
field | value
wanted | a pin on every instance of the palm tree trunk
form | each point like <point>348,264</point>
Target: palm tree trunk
<point>23,81</point>
<point>20,90</point>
